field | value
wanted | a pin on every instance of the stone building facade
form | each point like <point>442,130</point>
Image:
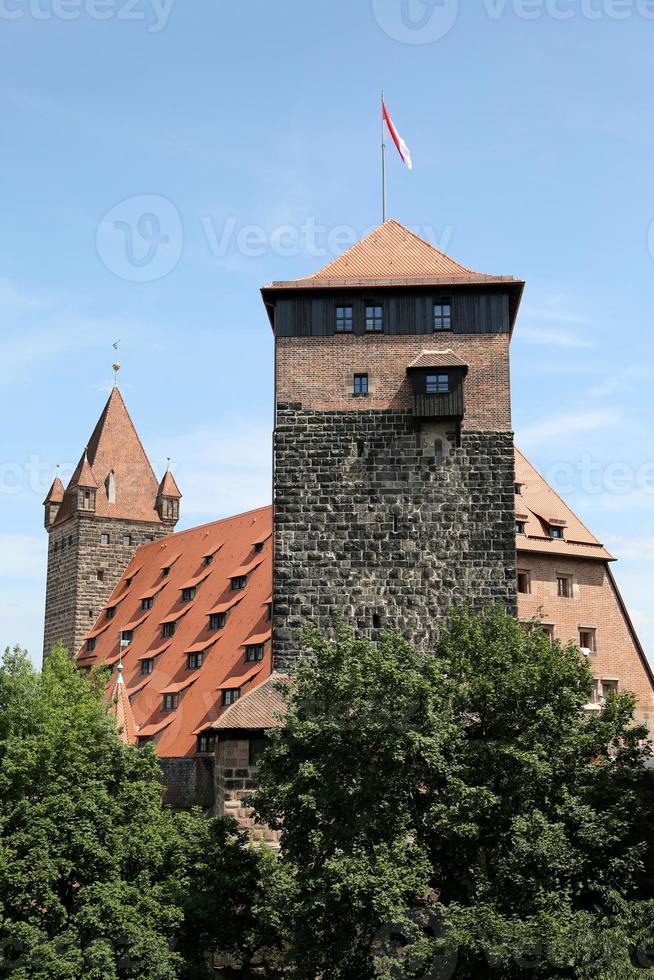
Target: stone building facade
<point>112,506</point>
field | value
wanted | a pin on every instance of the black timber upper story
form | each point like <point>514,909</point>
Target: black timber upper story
<point>313,312</point>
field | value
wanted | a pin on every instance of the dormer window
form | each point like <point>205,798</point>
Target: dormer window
<point>556,533</point>
<point>344,319</point>
<point>206,742</point>
<point>258,548</point>
<point>90,644</point>
<point>147,667</point>
<point>269,606</point>
<point>208,559</point>
<point>255,654</point>
<point>189,594</point>
<point>518,489</point>
<point>230,696</point>
<point>170,702</point>
<point>194,661</point>
<point>360,385</point>
<point>217,621</point>
<point>442,316</point>
<point>111,612</point>
<point>437,384</point>
<point>520,527</point>
<point>126,638</point>
<point>165,571</point>
<point>147,604</point>
<point>239,582</point>
<point>374,318</point>
<point>168,631</point>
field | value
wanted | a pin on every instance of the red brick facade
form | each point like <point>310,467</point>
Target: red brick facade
<point>319,372</point>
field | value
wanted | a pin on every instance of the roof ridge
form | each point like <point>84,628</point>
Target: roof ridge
<point>423,241</point>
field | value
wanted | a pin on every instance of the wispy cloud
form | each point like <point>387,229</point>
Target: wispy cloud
<point>621,380</point>
<point>554,338</point>
<point>22,556</point>
<point>566,425</point>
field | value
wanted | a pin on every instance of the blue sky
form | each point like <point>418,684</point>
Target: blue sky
<point>238,142</point>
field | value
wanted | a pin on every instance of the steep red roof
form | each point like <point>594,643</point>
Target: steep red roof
<point>115,447</point>
<point>540,507</point>
<point>262,708</point>
<point>55,493</point>
<point>224,650</point>
<point>392,254</point>
<point>121,709</point>
<point>168,486</point>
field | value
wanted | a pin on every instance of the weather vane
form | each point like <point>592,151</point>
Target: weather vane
<point>116,366</point>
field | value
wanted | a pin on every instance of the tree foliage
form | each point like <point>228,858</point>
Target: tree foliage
<point>458,814</point>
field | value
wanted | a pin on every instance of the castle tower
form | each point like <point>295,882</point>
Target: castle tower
<point>112,505</point>
<point>394,468</point>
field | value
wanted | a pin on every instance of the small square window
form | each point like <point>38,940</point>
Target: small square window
<point>126,638</point>
<point>343,319</point>
<point>255,653</point>
<point>206,742</point>
<point>217,621</point>
<point>170,702</point>
<point>556,533</point>
<point>189,594</point>
<point>194,661</point>
<point>100,575</point>
<point>239,582</point>
<point>374,319</point>
<point>127,540</point>
<point>442,316</point>
<point>360,384</point>
<point>147,667</point>
<point>230,696</point>
<point>111,612</point>
<point>609,687</point>
<point>564,586</point>
<point>520,527</point>
<point>147,604</point>
<point>168,630</point>
<point>548,630</point>
<point>437,384</point>
<point>524,582</point>
<point>105,539</point>
<point>90,644</point>
<point>518,489</point>
<point>588,639</point>
<point>148,539</point>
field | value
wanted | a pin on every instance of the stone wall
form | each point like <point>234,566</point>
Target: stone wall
<point>189,782</point>
<point>372,527</point>
<point>75,594</point>
<point>235,780</point>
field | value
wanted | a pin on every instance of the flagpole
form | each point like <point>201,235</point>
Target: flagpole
<point>383,156</point>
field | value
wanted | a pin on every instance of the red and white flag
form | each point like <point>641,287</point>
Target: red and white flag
<point>402,148</point>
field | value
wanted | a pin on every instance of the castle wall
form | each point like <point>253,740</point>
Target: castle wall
<point>74,593</point>
<point>368,523</point>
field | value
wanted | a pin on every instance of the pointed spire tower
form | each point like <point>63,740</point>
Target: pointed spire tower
<point>111,506</point>
<point>168,498</point>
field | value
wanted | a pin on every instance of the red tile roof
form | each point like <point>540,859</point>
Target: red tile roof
<point>260,709</point>
<point>392,255</point>
<point>437,358</point>
<point>168,487</point>
<point>200,703</point>
<point>121,709</point>
<point>55,493</point>
<point>115,447</point>
<point>542,506</point>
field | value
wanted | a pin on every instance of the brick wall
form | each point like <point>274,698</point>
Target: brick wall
<point>74,593</point>
<point>368,523</point>
<point>318,372</point>
<point>594,603</point>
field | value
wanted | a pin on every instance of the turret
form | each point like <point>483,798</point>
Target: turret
<point>52,502</point>
<point>84,488</point>
<point>168,498</point>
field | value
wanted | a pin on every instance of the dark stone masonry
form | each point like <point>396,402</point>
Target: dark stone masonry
<point>401,536</point>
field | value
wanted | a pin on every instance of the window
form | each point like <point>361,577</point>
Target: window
<point>189,594</point>
<point>524,583</point>
<point>127,540</point>
<point>100,575</point>
<point>148,539</point>
<point>376,621</point>
<point>556,533</point>
<point>128,582</point>
<point>520,527</point>
<point>165,571</point>
<point>194,660</point>
<point>168,630</point>
<point>361,448</point>
<point>126,637</point>
<point>170,702</point>
<point>437,384</point>
<point>439,449</point>
<point>360,384</point>
<point>255,653</point>
<point>564,586</point>
<point>206,742</point>
<point>257,747</point>
<point>343,319</point>
<point>548,630</point>
<point>268,611</point>
<point>443,315</point>
<point>396,524</point>
<point>111,612</point>
<point>105,539</point>
<point>147,667</point>
<point>147,603</point>
<point>239,582</point>
<point>208,559</point>
<point>374,319</point>
<point>230,696</point>
<point>258,548</point>
<point>217,621</point>
<point>609,687</point>
<point>588,639</point>
<point>518,489</point>
<point>90,644</point>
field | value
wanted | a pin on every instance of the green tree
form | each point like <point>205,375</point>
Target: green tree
<point>86,878</point>
<point>460,806</point>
